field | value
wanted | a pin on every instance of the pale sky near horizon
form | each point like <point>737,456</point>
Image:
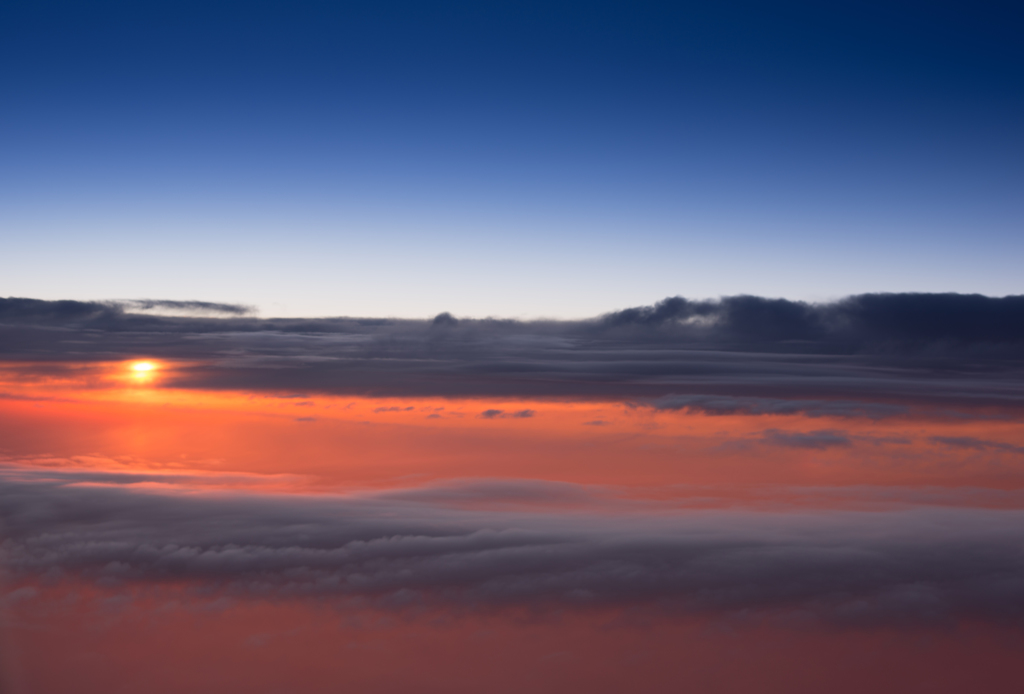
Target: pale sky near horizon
<point>519,161</point>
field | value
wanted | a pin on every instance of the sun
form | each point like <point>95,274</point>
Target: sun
<point>142,369</point>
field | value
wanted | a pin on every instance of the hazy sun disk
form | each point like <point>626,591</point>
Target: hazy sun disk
<point>142,368</point>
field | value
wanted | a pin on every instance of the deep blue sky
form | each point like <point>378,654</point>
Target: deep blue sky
<point>513,159</point>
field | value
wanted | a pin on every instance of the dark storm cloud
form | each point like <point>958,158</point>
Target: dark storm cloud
<point>865,356</point>
<point>435,545</point>
<point>877,321</point>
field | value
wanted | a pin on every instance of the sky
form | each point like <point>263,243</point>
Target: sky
<point>443,348</point>
<point>507,159</point>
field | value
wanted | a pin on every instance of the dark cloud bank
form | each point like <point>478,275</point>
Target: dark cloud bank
<point>906,565</point>
<point>871,355</point>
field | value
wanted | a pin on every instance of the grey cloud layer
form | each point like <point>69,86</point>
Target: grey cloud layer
<point>435,545</point>
<point>865,356</point>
